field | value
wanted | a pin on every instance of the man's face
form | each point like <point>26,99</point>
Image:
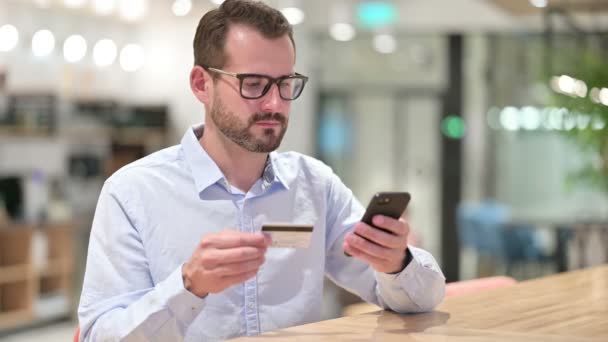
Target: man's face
<point>256,125</point>
<point>260,132</point>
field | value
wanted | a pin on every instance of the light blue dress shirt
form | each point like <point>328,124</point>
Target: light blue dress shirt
<point>152,213</point>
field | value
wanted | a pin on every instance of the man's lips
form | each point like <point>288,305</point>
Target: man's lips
<point>268,123</point>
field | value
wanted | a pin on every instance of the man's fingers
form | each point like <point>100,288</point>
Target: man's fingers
<point>224,259</point>
<point>370,248</point>
<point>398,227</point>
<point>238,279</point>
<point>213,258</point>
<point>239,268</point>
<point>359,254</point>
<point>232,239</point>
<point>379,236</point>
<point>267,239</point>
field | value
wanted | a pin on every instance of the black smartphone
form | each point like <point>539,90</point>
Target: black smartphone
<point>391,204</point>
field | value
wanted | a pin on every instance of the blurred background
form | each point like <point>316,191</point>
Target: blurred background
<point>493,114</point>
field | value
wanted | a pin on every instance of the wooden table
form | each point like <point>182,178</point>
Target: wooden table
<point>571,306</point>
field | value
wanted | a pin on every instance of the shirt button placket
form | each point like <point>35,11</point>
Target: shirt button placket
<point>251,291</point>
<point>251,310</point>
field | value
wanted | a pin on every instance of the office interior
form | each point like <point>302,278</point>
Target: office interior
<point>493,114</point>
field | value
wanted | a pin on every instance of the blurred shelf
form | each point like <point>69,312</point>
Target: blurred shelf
<point>138,134</point>
<point>57,268</point>
<point>15,318</point>
<point>34,286</point>
<point>16,273</point>
<point>123,135</point>
<point>21,131</point>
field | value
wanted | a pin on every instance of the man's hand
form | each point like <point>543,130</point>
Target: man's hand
<point>384,251</point>
<point>222,260</point>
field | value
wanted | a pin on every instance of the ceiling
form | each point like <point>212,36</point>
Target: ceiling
<point>524,7</point>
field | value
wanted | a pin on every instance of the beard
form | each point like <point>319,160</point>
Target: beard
<point>242,134</point>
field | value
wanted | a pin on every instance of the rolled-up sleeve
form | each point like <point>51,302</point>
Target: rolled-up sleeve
<point>119,300</point>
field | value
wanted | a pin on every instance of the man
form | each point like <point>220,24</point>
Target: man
<point>176,251</point>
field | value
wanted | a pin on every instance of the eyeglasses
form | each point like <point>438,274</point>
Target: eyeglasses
<point>254,86</point>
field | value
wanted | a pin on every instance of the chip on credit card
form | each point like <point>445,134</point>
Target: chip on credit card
<point>288,235</point>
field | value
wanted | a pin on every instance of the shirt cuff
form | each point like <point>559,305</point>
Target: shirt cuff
<point>421,281</point>
<point>183,304</point>
<point>401,277</point>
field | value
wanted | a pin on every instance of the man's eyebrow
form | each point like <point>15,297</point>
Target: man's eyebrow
<point>294,73</point>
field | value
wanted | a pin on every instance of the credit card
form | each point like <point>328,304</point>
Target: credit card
<point>289,235</point>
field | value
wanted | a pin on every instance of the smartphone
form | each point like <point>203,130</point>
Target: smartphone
<point>391,204</point>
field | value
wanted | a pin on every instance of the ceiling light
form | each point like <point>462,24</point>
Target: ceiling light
<point>509,119</point>
<point>539,3</point>
<point>603,96</point>
<point>104,52</point>
<point>104,7</point>
<point>181,7</point>
<point>385,43</point>
<point>294,15</point>
<point>74,48</point>
<point>342,32</point>
<point>133,10</point>
<point>530,118</point>
<point>74,3</point>
<point>566,84</point>
<point>9,36</point>
<point>580,88</point>
<point>594,95</point>
<point>43,43</point>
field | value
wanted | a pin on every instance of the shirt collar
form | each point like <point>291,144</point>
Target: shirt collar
<point>280,171</point>
<point>206,172</point>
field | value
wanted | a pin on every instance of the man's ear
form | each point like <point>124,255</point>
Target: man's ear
<point>201,84</point>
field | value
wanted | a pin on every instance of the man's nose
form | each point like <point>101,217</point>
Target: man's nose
<point>272,101</point>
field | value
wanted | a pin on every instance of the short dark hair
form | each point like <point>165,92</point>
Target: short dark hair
<point>210,37</point>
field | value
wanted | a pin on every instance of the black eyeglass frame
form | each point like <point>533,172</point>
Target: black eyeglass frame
<point>271,81</point>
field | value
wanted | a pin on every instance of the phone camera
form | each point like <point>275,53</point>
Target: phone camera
<point>384,200</point>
